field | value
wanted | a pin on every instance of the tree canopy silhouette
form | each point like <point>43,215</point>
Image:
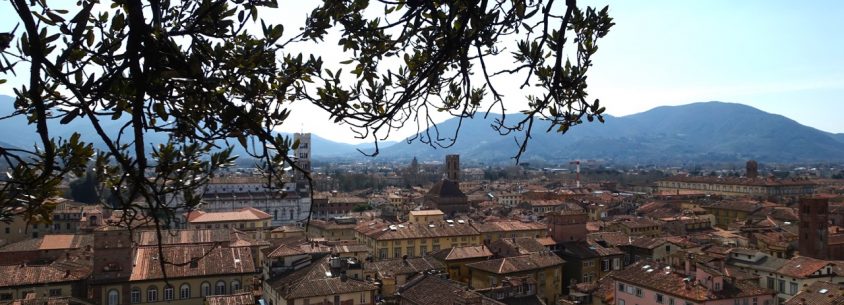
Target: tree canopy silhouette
<point>211,73</point>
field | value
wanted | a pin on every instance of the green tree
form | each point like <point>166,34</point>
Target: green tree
<point>212,73</point>
<point>84,189</point>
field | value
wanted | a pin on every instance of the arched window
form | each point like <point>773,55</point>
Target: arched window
<point>152,294</point>
<point>220,288</point>
<point>169,293</point>
<point>206,289</point>
<point>135,295</point>
<point>184,291</point>
<point>113,297</point>
<point>235,286</point>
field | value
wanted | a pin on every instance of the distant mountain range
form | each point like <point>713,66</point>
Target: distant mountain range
<point>16,133</point>
<point>699,132</point>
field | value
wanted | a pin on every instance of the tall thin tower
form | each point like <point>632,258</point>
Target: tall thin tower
<point>303,153</point>
<point>452,167</point>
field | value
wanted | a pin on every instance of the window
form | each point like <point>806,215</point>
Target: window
<point>396,252</point>
<point>782,286</point>
<point>184,291</point>
<point>410,251</point>
<point>235,286</point>
<point>717,286</point>
<point>659,298</point>
<point>638,292</point>
<point>620,302</point>
<point>5,296</point>
<point>135,295</point>
<point>205,288</point>
<point>770,283</point>
<point>152,294</point>
<point>621,287</point>
<point>113,297</point>
<point>382,253</point>
<point>423,250</point>
<point>493,281</point>
<point>792,288</point>
<point>220,288</point>
<point>55,292</point>
<point>670,301</point>
<point>168,293</point>
<point>605,265</point>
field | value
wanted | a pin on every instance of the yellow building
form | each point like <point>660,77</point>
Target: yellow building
<point>247,219</point>
<point>757,187</point>
<point>44,281</point>
<point>426,216</point>
<point>455,260</point>
<point>286,231</point>
<point>332,230</point>
<point>415,239</point>
<point>727,212</point>
<point>636,227</point>
<point>193,272</point>
<point>545,268</point>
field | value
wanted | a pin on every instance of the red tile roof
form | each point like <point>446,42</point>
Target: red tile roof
<point>515,264</point>
<point>245,214</point>
<point>210,260</point>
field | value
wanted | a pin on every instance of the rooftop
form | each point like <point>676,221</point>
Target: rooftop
<point>515,264</point>
<point>317,280</point>
<point>191,261</point>
<point>657,277</point>
<point>461,253</point>
<point>245,214</point>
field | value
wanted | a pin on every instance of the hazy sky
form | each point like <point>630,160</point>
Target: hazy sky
<point>782,57</point>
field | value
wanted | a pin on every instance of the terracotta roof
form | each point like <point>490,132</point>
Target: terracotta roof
<point>411,265</point>
<point>588,250</point>
<point>352,248</point>
<point>32,300</point>
<point>284,251</point>
<point>669,282</point>
<point>245,298</point>
<point>51,242</point>
<point>26,275</point>
<point>611,238</point>
<point>508,226</point>
<point>742,181</point>
<point>509,265</point>
<point>802,267</point>
<point>245,214</point>
<point>317,280</point>
<point>230,237</point>
<point>417,230</point>
<point>433,290</point>
<point>427,213</point>
<point>819,293</point>
<point>210,260</point>
<point>522,245</point>
<point>461,253</point>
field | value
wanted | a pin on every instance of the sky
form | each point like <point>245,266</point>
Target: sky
<point>782,57</point>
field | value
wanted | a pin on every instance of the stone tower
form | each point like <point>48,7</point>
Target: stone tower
<point>752,169</point>
<point>814,227</point>
<point>567,226</point>
<point>303,153</point>
<point>452,167</point>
